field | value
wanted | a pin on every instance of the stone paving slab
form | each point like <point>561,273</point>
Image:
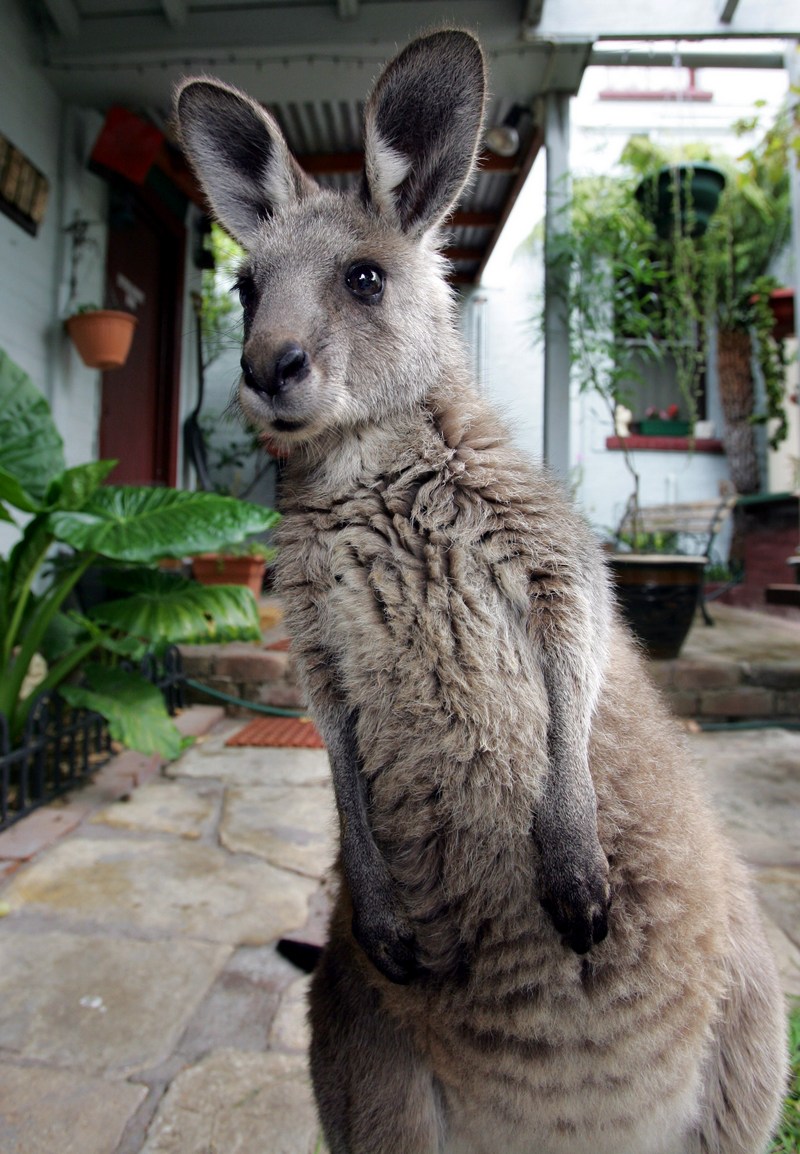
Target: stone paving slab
<point>292,828</point>
<point>238,1103</point>
<point>44,1110</point>
<point>250,765</point>
<point>162,887</point>
<point>242,1004</point>
<point>755,785</point>
<point>743,635</point>
<point>165,807</point>
<point>99,1004</point>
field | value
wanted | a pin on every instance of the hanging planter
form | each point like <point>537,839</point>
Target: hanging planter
<point>102,337</point>
<point>699,189</point>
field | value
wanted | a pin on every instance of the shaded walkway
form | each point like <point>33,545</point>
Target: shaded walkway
<point>145,1008</point>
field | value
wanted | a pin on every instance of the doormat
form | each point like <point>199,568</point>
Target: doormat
<point>286,732</point>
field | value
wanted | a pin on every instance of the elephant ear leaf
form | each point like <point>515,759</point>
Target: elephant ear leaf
<point>73,488</point>
<point>138,524</point>
<point>134,709</point>
<point>168,609</point>
<point>31,449</point>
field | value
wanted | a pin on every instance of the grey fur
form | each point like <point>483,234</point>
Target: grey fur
<point>488,723</point>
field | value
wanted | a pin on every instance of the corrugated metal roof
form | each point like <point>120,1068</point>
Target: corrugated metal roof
<point>311,67</point>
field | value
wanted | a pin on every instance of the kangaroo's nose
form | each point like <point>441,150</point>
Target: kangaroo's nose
<point>291,366</point>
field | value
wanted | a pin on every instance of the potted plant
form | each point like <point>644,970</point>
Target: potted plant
<point>684,194</point>
<point>126,528</point>
<point>633,300</point>
<point>244,563</point>
<point>742,243</point>
<point>103,337</point>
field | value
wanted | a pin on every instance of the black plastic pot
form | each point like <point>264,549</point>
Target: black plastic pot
<point>658,595</point>
<point>699,189</point>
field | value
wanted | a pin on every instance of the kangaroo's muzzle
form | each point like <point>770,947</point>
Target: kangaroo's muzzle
<point>290,366</point>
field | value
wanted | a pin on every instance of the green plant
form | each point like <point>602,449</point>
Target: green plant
<point>787,1140</point>
<point>248,548</point>
<point>602,266</point>
<point>634,297</point>
<point>220,314</point>
<point>126,528</point>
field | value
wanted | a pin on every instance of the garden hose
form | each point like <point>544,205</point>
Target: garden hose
<point>256,707</point>
<point>754,723</point>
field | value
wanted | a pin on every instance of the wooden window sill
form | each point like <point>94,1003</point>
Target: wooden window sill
<point>665,444</point>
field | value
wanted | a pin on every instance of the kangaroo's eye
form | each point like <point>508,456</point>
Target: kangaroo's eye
<point>245,286</point>
<point>366,282</point>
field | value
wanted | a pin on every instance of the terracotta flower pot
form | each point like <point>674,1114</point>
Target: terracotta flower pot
<point>103,337</point>
<point>219,569</point>
<point>781,301</point>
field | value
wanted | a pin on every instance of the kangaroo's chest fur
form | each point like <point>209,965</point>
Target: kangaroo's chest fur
<point>410,593</point>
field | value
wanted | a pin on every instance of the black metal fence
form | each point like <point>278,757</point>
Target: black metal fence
<point>62,747</point>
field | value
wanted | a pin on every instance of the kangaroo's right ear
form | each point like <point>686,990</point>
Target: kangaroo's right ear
<point>421,129</point>
<point>239,155</point>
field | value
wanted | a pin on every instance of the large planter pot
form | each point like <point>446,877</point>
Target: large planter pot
<point>219,569</point>
<point>103,337</point>
<point>699,189</point>
<point>658,595</point>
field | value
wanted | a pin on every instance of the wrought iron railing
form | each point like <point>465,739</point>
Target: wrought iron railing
<point>62,747</point>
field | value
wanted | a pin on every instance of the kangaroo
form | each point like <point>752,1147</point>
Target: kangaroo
<point>542,944</point>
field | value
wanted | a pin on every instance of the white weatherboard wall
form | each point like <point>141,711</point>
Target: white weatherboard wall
<point>34,271</point>
<point>30,116</point>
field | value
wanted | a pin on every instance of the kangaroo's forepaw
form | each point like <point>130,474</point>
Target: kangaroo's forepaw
<point>390,945</point>
<point>578,904</point>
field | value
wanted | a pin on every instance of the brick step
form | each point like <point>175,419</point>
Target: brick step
<point>712,688</point>
<point>262,675</point>
<point>722,690</point>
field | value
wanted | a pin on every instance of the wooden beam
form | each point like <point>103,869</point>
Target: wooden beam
<point>533,13</point>
<point>470,218</point>
<point>176,12</point>
<point>65,16</point>
<point>340,163</point>
<point>464,253</point>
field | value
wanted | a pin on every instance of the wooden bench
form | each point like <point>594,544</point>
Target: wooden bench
<point>700,521</point>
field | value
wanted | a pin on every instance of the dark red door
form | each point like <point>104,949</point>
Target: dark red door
<point>139,409</point>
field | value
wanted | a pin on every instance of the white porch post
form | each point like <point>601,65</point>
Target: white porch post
<point>793,68</point>
<point>556,321</point>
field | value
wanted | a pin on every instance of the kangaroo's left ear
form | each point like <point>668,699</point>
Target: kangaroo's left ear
<point>422,127</point>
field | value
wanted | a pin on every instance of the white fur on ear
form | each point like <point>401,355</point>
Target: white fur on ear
<point>239,155</point>
<point>386,170</point>
<point>422,125</point>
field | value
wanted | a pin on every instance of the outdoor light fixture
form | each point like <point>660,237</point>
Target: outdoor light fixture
<point>503,139</point>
